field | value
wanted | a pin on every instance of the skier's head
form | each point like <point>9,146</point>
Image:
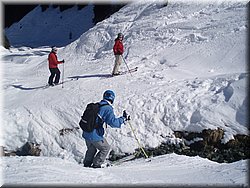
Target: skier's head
<point>109,95</point>
<point>54,49</point>
<point>120,36</point>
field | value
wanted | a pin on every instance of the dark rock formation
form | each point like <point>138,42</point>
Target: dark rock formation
<point>206,144</point>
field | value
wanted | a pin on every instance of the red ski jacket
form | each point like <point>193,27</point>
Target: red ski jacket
<point>53,62</point>
<point>118,47</point>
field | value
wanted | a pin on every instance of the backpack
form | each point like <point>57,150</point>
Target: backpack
<point>88,119</point>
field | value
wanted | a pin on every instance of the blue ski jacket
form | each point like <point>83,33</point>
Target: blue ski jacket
<point>107,115</point>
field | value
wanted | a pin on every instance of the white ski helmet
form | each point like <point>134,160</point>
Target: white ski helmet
<point>54,49</point>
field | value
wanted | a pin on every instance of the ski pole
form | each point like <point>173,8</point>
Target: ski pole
<point>137,140</point>
<point>63,75</point>
<point>126,65</point>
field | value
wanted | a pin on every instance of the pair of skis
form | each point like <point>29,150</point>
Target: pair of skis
<point>125,159</point>
<point>133,156</point>
<point>127,71</point>
<point>60,83</point>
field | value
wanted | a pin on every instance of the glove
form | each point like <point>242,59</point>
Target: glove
<point>125,115</point>
<point>62,61</point>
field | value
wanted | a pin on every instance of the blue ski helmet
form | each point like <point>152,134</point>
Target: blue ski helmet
<point>109,95</point>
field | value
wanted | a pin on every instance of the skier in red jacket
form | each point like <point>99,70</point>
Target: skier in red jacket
<point>53,62</point>
<point>118,50</point>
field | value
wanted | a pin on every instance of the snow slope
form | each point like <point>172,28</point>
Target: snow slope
<point>163,170</point>
<point>55,27</point>
<point>192,76</point>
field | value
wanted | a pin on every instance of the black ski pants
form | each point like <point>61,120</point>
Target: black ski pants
<point>54,72</point>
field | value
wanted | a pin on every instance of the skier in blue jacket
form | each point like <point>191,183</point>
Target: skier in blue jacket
<point>95,140</point>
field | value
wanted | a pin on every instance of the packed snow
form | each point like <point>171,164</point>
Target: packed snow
<point>164,170</point>
<point>192,74</point>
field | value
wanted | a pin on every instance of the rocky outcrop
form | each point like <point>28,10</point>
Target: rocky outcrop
<point>209,145</point>
<point>28,149</point>
<point>206,144</point>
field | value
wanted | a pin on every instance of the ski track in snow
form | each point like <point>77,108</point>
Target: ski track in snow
<point>191,76</point>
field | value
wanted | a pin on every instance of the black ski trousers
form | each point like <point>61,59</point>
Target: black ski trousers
<point>54,72</point>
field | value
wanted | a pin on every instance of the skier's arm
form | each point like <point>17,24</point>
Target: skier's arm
<point>54,60</point>
<point>120,48</point>
<point>115,48</point>
<point>110,119</point>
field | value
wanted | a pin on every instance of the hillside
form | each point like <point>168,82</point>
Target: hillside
<point>50,26</point>
<point>192,75</point>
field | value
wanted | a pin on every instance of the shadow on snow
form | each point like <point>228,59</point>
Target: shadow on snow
<point>91,76</point>
<point>71,78</point>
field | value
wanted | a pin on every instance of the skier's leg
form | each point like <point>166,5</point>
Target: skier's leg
<point>119,60</point>
<point>103,148</point>
<point>90,153</point>
<point>117,64</point>
<point>57,76</point>
<point>52,75</point>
